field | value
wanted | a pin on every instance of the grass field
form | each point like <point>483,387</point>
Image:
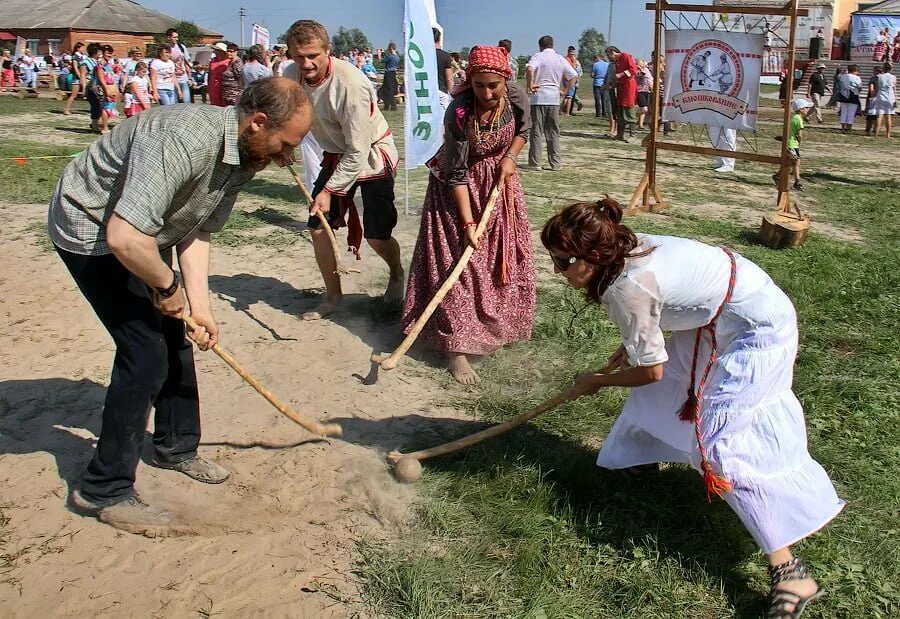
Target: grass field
<point>527,525</point>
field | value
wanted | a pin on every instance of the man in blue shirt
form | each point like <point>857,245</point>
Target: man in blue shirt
<point>602,104</point>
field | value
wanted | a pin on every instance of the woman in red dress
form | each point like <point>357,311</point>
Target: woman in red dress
<point>493,302</point>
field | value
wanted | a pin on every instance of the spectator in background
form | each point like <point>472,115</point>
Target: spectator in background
<point>137,93</point>
<point>543,75</point>
<point>835,86</point>
<point>162,76</point>
<point>644,80</point>
<point>110,65</point>
<point>723,138</point>
<point>98,93</point>
<point>609,85</point>
<point>513,63</point>
<point>29,72</point>
<point>287,62</point>
<point>79,84</point>
<point>601,95</point>
<point>232,76</point>
<point>217,65</point>
<point>182,60</point>
<point>571,99</point>
<point>444,68</point>
<point>255,68</point>
<point>7,73</point>
<point>837,46</point>
<point>199,82</point>
<point>626,90</point>
<point>871,113</point>
<point>129,68</point>
<point>459,74</point>
<point>370,72</point>
<point>818,84</point>
<point>895,56</point>
<point>389,84</point>
<point>848,97</point>
<point>278,57</point>
<point>881,46</point>
<point>885,100</point>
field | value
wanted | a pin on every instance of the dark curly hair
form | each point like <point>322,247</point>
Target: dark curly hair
<point>593,232</point>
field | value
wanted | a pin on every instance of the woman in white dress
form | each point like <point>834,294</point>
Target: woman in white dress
<point>885,99</point>
<point>715,395</point>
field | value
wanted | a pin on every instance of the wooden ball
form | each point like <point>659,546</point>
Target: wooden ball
<point>408,470</point>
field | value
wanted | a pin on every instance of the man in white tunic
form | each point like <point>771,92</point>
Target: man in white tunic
<point>359,152</point>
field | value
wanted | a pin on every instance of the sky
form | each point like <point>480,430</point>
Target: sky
<point>466,22</point>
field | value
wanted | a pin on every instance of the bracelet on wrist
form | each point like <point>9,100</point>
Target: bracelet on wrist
<point>469,224</point>
<point>510,157</point>
<point>167,293</point>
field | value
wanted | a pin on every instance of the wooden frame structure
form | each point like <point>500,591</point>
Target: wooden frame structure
<point>646,196</point>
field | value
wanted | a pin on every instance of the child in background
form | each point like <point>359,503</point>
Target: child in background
<point>871,112</point>
<point>137,91</point>
<point>801,108</point>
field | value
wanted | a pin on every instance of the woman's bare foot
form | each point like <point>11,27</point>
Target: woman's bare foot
<point>461,369</point>
<point>327,307</point>
<point>394,291</point>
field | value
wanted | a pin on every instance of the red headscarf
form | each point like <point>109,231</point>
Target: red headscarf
<point>486,59</point>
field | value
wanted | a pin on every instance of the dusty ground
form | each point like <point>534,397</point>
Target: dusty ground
<point>279,537</point>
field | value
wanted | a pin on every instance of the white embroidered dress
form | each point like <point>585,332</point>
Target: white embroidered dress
<point>751,423</point>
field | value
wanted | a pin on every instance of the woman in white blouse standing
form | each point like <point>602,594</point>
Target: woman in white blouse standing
<point>715,395</point>
<point>885,99</point>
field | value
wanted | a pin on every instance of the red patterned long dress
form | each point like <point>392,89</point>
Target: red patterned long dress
<point>493,302</point>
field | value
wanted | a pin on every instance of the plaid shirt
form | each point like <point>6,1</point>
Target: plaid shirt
<point>170,172</point>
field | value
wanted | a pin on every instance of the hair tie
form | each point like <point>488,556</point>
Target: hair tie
<point>602,207</point>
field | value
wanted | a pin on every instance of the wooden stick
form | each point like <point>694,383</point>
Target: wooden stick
<point>340,268</point>
<point>493,431</point>
<point>391,362</point>
<point>328,429</point>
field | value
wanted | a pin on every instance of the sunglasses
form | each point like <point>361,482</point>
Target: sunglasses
<point>563,262</point>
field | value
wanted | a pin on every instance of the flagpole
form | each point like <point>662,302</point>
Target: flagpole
<point>406,206</point>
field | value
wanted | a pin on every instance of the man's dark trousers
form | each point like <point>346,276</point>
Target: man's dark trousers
<point>153,366</point>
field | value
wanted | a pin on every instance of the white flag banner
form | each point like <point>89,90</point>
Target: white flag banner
<point>260,36</point>
<point>712,78</point>
<point>424,113</point>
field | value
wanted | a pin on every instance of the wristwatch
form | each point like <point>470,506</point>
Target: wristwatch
<point>167,293</point>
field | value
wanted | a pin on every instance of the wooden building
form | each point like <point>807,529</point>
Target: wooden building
<point>54,26</point>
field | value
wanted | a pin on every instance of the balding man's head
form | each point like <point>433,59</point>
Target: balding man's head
<point>274,115</point>
<point>277,97</point>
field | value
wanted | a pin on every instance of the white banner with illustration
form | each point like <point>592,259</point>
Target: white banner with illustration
<point>260,36</point>
<point>865,32</point>
<point>712,77</point>
<point>424,112</point>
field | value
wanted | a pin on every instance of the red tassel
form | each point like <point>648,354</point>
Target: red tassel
<point>691,409</point>
<point>715,484</point>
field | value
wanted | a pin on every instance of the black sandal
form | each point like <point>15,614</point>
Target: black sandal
<point>779,599</point>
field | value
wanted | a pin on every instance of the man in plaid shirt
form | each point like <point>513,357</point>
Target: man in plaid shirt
<point>162,180</point>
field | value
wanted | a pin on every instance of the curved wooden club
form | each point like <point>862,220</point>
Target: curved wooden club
<point>390,362</point>
<point>493,431</point>
<point>340,269</point>
<point>327,429</point>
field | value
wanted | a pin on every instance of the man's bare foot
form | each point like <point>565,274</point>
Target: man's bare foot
<point>461,369</point>
<point>394,291</point>
<point>327,307</point>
